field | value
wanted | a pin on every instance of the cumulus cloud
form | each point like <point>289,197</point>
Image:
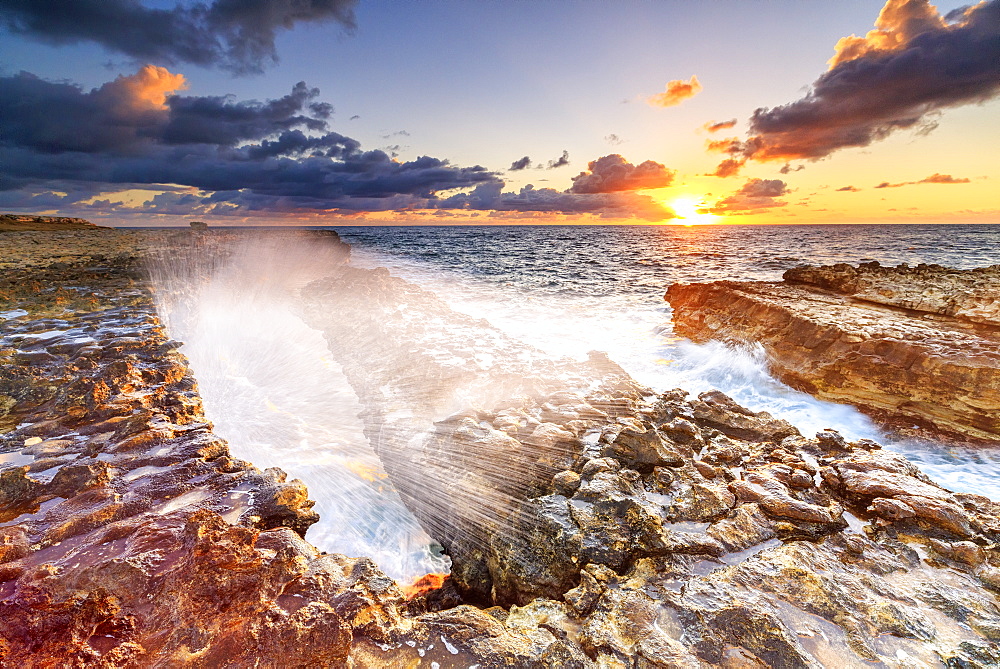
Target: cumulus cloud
<point>716,126</point>
<point>560,161</point>
<point>755,194</point>
<point>520,164</point>
<point>932,179</point>
<point>235,35</point>
<point>677,91</point>
<point>899,76</point>
<point>63,147</point>
<point>612,173</point>
<point>133,130</point>
<point>727,168</point>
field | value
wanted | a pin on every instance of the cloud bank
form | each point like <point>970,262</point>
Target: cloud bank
<point>136,130</point>
<point>67,148</point>
<point>935,178</point>
<point>899,76</point>
<point>490,197</point>
<point>236,35</point>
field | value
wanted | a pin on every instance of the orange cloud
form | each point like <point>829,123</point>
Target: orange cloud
<point>147,89</point>
<point>677,91</point>
<point>754,195</point>
<point>727,145</point>
<point>944,179</point>
<point>915,64</point>
<point>897,24</point>
<point>935,178</point>
<point>715,126</point>
<point>728,168</point>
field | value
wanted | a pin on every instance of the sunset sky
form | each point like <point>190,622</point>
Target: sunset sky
<point>438,112</point>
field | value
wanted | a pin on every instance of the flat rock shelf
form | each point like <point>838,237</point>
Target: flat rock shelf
<point>641,529</point>
<point>917,348</point>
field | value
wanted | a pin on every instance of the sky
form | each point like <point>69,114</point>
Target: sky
<point>343,112</point>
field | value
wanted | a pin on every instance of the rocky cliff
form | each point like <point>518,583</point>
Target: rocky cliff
<point>628,529</point>
<point>917,348</point>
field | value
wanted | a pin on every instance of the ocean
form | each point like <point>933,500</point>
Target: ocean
<point>571,289</point>
<point>273,390</point>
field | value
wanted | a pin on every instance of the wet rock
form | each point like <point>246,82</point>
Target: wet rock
<point>891,509</point>
<point>970,295</point>
<point>607,528</point>
<point>717,410</point>
<point>644,449</point>
<point>916,348</point>
<point>566,483</point>
<point>281,504</point>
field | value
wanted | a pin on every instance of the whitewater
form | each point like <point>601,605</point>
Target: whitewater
<point>276,394</point>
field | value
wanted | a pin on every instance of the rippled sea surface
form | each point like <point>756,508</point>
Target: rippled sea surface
<point>639,260</point>
<point>570,289</point>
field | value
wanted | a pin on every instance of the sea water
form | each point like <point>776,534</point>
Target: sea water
<point>570,289</point>
<point>273,390</point>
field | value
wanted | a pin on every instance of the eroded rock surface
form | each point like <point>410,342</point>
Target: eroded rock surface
<point>917,348</point>
<point>128,535</point>
<point>972,295</point>
<point>627,529</point>
<point>653,530</point>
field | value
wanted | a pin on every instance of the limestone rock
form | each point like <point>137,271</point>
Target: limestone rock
<point>917,348</point>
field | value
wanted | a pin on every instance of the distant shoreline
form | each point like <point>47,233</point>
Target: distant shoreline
<point>17,222</point>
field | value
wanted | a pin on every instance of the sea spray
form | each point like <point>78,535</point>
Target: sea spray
<point>541,305</point>
<point>273,392</point>
<point>472,425</point>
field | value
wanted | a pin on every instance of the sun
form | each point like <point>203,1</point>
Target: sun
<point>690,210</point>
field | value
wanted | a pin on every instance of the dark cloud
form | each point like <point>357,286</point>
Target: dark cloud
<point>237,35</point>
<point>530,199</point>
<point>354,118</point>
<point>134,131</point>
<point>899,76</point>
<point>716,126</point>
<point>65,148</point>
<point>728,168</point>
<point>520,164</point>
<point>755,194</point>
<point>848,189</point>
<point>613,139</point>
<point>932,179</point>
<point>560,161</point>
<point>787,167</point>
<point>613,173</point>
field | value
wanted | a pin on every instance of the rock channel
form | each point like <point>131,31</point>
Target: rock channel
<point>632,529</point>
<point>918,348</point>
